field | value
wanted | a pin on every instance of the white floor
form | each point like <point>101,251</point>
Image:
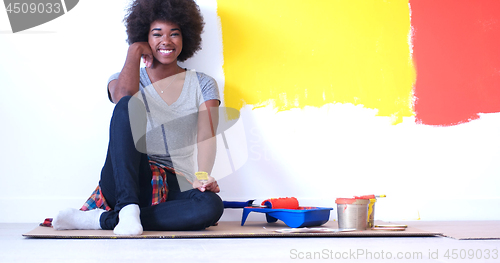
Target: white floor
<point>15,248</point>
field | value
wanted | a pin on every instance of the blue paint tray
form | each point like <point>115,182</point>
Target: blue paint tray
<point>301,217</point>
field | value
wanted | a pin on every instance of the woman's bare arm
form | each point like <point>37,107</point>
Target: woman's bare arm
<point>208,120</point>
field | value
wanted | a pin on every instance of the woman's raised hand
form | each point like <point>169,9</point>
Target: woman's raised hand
<point>144,50</point>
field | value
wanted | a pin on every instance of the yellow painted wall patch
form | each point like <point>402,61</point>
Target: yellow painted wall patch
<point>295,53</point>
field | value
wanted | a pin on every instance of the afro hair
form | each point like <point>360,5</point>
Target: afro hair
<point>185,13</point>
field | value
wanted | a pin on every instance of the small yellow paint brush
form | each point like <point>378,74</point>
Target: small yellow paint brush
<point>202,177</point>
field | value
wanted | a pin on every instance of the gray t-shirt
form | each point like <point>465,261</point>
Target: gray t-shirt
<point>171,129</point>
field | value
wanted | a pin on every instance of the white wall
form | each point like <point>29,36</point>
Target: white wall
<point>54,116</point>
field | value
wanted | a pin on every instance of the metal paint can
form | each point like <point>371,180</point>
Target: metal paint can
<point>352,213</point>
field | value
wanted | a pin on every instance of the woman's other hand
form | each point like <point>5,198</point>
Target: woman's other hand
<point>211,185</point>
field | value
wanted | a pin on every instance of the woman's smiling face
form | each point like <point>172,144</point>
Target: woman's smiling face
<point>165,40</point>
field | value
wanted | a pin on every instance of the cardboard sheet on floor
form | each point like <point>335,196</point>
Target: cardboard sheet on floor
<point>460,229</point>
<point>227,229</point>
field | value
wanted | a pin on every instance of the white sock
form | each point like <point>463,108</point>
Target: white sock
<point>129,221</point>
<point>76,219</point>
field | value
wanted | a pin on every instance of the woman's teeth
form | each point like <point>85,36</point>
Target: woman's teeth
<point>163,51</point>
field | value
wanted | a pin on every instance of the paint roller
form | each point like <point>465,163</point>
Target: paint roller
<point>281,203</point>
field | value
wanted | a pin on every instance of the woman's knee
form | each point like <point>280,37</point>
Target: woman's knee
<point>210,207</point>
<point>215,202</point>
<point>123,103</point>
<point>121,108</point>
<point>131,111</point>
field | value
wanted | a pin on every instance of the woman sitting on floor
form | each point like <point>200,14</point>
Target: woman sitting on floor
<point>162,112</point>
